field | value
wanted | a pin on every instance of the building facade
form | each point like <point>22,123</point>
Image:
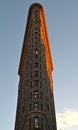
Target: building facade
<point>35,105</point>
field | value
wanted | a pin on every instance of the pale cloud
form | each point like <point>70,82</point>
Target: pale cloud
<point>67,119</point>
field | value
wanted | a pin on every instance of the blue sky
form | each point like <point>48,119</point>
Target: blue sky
<point>62,24</point>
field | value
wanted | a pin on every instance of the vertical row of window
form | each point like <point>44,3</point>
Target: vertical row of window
<point>35,94</point>
<point>35,65</point>
<point>35,15</point>
<point>36,103</point>
<point>36,52</point>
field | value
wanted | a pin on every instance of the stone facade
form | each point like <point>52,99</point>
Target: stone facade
<point>35,105</point>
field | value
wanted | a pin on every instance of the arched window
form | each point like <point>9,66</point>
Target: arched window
<point>36,122</point>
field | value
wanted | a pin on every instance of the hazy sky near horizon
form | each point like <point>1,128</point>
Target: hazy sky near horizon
<point>62,25</point>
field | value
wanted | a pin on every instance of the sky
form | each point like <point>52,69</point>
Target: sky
<point>62,25</point>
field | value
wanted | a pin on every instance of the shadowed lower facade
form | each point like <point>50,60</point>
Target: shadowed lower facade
<point>35,105</point>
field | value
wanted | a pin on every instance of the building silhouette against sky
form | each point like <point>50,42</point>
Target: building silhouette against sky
<point>35,105</point>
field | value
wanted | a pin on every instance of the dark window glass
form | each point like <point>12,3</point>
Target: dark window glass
<point>41,84</point>
<point>41,95</point>
<point>35,73</point>
<point>40,74</point>
<point>36,28</point>
<point>35,57</point>
<point>31,84</point>
<point>30,107</point>
<point>35,65</point>
<point>42,123</point>
<point>31,74</point>
<point>41,107</point>
<point>48,107</point>
<point>36,33</point>
<point>36,38</point>
<point>30,122</point>
<point>30,95</point>
<point>36,42</point>
<point>36,11</point>
<point>36,83</point>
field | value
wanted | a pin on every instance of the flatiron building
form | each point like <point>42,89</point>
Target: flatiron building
<point>35,104</point>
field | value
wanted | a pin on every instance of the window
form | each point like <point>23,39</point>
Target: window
<point>36,45</point>
<point>35,65</point>
<point>36,33</point>
<point>32,39</point>
<point>36,38</point>
<point>30,122</point>
<point>41,95</point>
<point>35,93</point>
<point>36,42</point>
<point>41,107</point>
<point>30,107</point>
<point>36,122</point>
<point>36,83</point>
<point>36,105</point>
<point>30,95</point>
<point>36,11</point>
<point>48,107</point>
<point>40,74</point>
<point>36,25</point>
<point>35,73</point>
<point>23,108</point>
<point>53,126</point>
<point>32,45</point>
<point>31,74</point>
<point>31,84</point>
<point>36,28</point>
<point>35,51</point>
<point>35,57</point>
<point>41,84</point>
<point>42,123</point>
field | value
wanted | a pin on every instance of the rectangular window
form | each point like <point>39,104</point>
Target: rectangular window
<point>40,74</point>
<point>36,33</point>
<point>35,65</point>
<point>41,95</point>
<point>31,74</point>
<point>41,107</point>
<point>35,73</point>
<point>36,83</point>
<point>23,108</point>
<point>35,57</point>
<point>36,94</point>
<point>31,84</point>
<point>42,123</point>
<point>36,28</point>
<point>36,45</point>
<point>36,39</point>
<point>30,95</point>
<point>36,105</point>
<point>41,84</point>
<point>30,122</point>
<point>30,107</point>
